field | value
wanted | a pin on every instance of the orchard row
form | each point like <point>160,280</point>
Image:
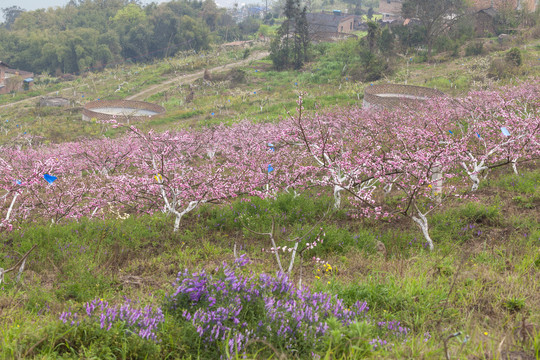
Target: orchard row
<point>402,162</point>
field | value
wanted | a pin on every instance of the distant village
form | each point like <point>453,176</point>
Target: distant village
<point>13,80</point>
<point>323,26</point>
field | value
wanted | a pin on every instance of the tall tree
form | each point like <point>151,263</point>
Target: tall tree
<point>436,16</point>
<point>10,15</point>
<point>290,46</point>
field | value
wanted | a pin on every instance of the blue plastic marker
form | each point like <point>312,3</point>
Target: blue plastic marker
<point>478,135</point>
<point>450,131</point>
<point>254,92</point>
<point>256,70</point>
<point>270,168</point>
<point>271,146</point>
<point>18,182</point>
<point>49,178</point>
<point>83,96</point>
<point>25,133</point>
<point>212,114</point>
<point>296,83</point>
<point>505,131</point>
<point>17,125</point>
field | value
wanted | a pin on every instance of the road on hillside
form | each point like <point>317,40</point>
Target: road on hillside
<point>182,79</point>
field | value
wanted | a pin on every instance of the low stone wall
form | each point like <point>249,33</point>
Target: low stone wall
<point>392,95</point>
<point>54,101</point>
<point>89,113</point>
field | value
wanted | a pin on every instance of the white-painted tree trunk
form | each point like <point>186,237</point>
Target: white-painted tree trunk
<point>337,196</point>
<point>11,207</point>
<point>291,263</point>
<point>476,181</point>
<point>514,167</point>
<point>422,222</point>
<point>473,174</point>
<point>192,205</point>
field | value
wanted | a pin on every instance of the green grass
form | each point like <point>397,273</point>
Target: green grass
<point>481,278</point>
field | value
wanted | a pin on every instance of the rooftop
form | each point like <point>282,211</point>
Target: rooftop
<point>323,19</point>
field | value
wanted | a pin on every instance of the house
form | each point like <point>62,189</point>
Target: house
<point>485,21</point>
<point>333,22</point>
<point>390,9</point>
<point>3,68</point>
<point>12,80</point>
<point>527,5</point>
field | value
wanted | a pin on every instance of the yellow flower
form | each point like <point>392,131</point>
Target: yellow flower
<point>485,333</point>
<point>429,186</point>
<point>329,282</point>
<point>317,277</point>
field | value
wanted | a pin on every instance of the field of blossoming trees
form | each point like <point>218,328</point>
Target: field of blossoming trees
<point>339,234</point>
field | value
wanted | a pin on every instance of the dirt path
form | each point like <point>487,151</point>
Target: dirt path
<point>183,79</point>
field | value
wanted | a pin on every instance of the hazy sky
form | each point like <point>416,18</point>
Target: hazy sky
<point>39,4</point>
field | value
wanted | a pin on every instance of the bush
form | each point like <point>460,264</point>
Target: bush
<point>103,331</point>
<point>446,44</point>
<point>137,321</point>
<point>474,49</point>
<point>513,57</point>
<point>228,310</point>
<point>372,67</point>
<point>501,69</point>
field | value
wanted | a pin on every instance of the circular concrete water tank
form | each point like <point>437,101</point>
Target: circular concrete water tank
<point>392,95</point>
<point>121,110</point>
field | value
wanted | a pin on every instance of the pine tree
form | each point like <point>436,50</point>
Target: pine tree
<point>290,46</point>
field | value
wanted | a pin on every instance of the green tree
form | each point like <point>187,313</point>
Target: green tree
<point>131,24</point>
<point>11,14</point>
<point>372,34</point>
<point>193,35</point>
<point>436,16</point>
<point>289,48</point>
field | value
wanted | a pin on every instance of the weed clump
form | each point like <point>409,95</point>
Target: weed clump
<point>232,309</point>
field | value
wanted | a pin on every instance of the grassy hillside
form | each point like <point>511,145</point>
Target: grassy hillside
<point>129,287</point>
<point>255,92</point>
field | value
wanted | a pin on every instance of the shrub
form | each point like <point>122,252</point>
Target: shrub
<point>445,43</point>
<point>104,331</point>
<point>499,69</point>
<point>513,57</point>
<point>474,49</point>
<point>372,67</point>
<point>142,322</point>
<point>229,310</point>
